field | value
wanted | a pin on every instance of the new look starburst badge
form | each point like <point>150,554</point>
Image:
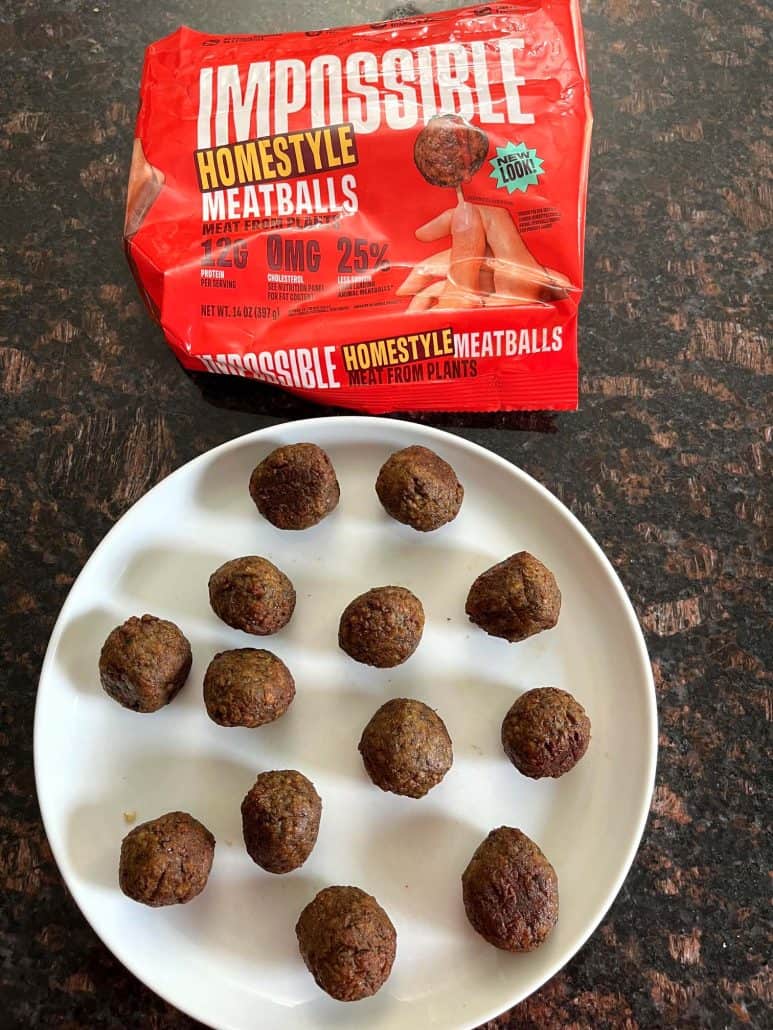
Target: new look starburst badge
<point>516,167</point>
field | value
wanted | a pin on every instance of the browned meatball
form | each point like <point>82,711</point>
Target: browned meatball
<point>449,151</point>
<point>406,748</point>
<point>382,627</point>
<point>419,489</point>
<point>252,594</point>
<point>545,733</point>
<point>347,941</point>
<point>280,820</point>
<point>166,861</point>
<point>510,891</point>
<point>515,599</point>
<point>144,663</point>
<point>247,687</point>
<point>295,486</point>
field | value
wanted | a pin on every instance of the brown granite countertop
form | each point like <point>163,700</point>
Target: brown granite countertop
<point>666,463</point>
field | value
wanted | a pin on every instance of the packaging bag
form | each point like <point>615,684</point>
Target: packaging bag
<point>387,217</point>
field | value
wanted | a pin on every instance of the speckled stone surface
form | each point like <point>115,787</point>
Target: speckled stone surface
<point>666,464</point>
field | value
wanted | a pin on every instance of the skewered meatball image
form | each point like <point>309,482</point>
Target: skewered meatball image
<point>515,599</point>
<point>247,687</point>
<point>280,820</point>
<point>347,941</point>
<point>144,663</point>
<point>406,748</point>
<point>418,488</point>
<point>545,733</point>
<point>449,151</point>
<point>382,627</point>
<point>295,486</point>
<point>253,595</point>
<point>510,891</point>
<point>166,861</point>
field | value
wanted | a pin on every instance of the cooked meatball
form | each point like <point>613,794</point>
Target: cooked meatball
<point>515,599</point>
<point>406,748</point>
<point>347,941</point>
<point>449,151</point>
<point>247,687</point>
<point>510,891</point>
<point>252,594</point>
<point>545,733</point>
<point>280,820</point>
<point>144,663</point>
<point>418,488</point>
<point>166,861</point>
<point>382,627</point>
<point>295,486</point>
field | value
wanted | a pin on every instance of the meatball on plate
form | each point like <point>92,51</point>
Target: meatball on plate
<point>144,663</point>
<point>406,748</point>
<point>166,861</point>
<point>295,487</point>
<point>382,627</point>
<point>340,731</point>
<point>418,488</point>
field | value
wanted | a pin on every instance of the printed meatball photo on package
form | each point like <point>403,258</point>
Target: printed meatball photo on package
<point>389,217</point>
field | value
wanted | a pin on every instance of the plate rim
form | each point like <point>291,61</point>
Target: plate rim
<point>435,433</point>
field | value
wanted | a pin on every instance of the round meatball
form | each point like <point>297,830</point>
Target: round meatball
<point>166,861</point>
<point>515,599</point>
<point>510,891</point>
<point>449,151</point>
<point>347,941</point>
<point>419,489</point>
<point>545,733</point>
<point>253,595</point>
<point>406,748</point>
<point>382,627</point>
<point>295,486</point>
<point>247,687</point>
<point>144,663</point>
<point>280,820</point>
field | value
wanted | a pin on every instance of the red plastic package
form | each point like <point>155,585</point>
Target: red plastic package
<point>388,217</point>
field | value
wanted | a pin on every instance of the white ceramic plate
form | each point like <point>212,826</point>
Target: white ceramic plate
<point>230,957</point>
